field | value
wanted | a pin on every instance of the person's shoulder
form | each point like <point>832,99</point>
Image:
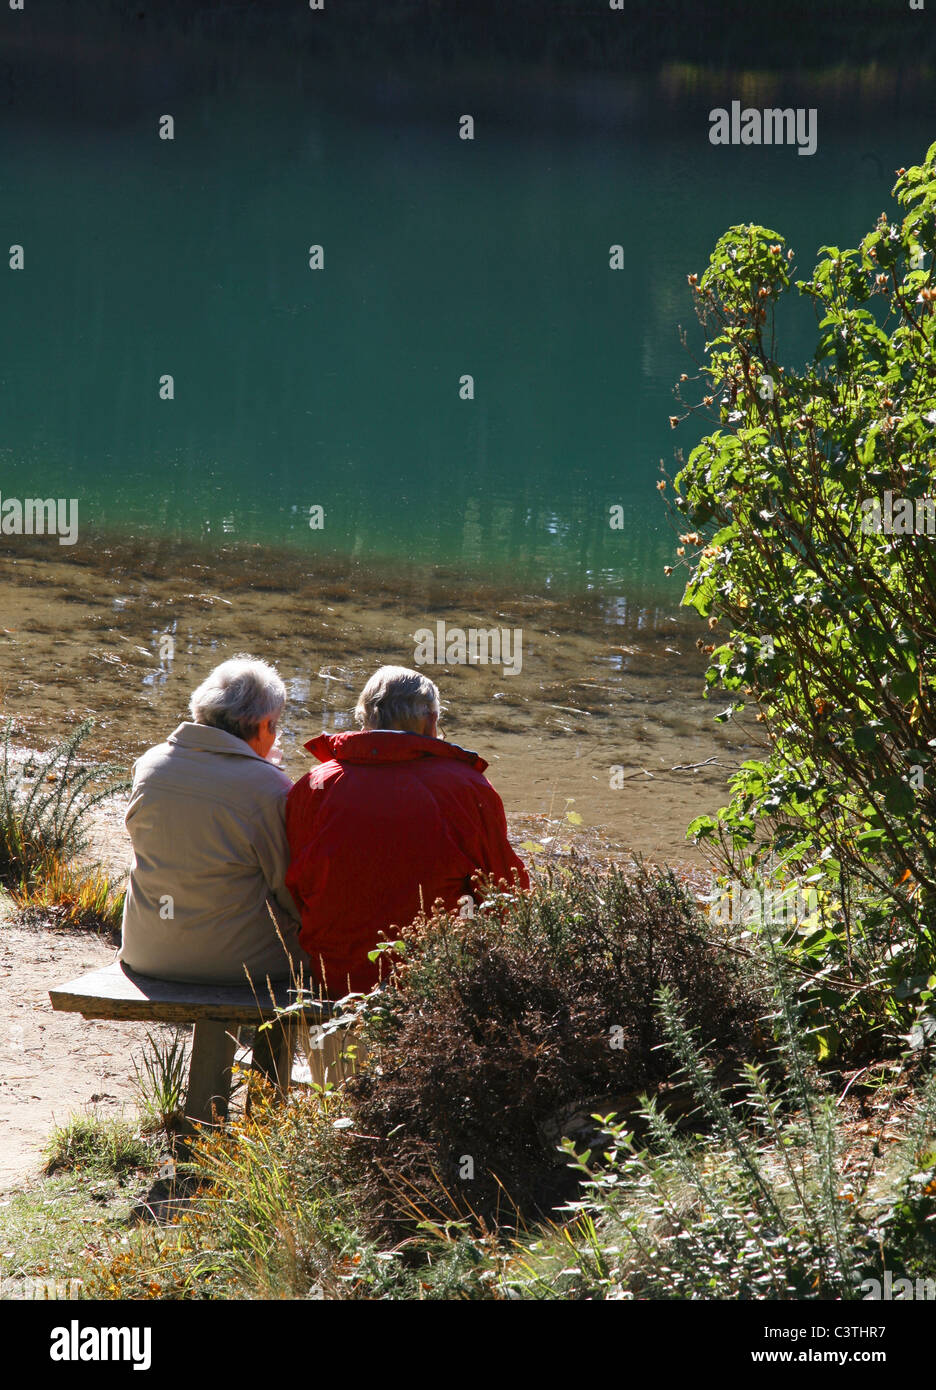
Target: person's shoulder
<point>470,773</point>
<point>462,771</point>
<point>262,795</point>
<point>313,780</point>
<point>485,791</point>
<point>153,758</point>
<point>269,778</point>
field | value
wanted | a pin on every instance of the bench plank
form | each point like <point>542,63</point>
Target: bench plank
<point>116,992</point>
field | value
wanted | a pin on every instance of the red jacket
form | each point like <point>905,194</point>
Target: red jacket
<point>390,822</point>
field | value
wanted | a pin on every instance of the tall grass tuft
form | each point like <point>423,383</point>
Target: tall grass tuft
<point>73,897</point>
<point>161,1080</point>
<point>272,1217</point>
<point>48,819</point>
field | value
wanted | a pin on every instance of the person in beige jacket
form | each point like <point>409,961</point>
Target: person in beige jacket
<point>206,821</point>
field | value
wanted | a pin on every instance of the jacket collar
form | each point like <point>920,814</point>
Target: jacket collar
<point>208,739</point>
<point>387,746</point>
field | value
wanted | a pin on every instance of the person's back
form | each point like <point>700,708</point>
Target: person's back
<point>206,822</point>
<point>392,821</point>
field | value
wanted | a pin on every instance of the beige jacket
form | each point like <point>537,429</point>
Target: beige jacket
<point>206,820</point>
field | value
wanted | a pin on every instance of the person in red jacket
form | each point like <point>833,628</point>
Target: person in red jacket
<point>394,819</point>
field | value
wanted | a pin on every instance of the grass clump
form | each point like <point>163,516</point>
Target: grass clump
<point>88,1143</point>
<point>271,1217</point>
<point>161,1082</point>
<point>71,897</point>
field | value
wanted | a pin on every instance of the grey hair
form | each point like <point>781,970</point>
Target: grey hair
<point>396,698</point>
<point>238,695</point>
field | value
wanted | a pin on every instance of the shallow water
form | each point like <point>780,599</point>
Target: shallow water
<point>601,685</point>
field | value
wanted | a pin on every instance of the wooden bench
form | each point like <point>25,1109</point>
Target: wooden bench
<point>115,992</point>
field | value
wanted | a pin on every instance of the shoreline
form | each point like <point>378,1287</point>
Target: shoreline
<point>124,636</point>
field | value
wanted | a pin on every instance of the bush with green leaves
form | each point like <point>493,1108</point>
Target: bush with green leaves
<point>810,548</point>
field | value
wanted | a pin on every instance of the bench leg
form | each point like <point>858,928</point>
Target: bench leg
<point>209,1089</point>
<point>273,1053</point>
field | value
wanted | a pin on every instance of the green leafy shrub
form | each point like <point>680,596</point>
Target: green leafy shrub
<point>826,619</point>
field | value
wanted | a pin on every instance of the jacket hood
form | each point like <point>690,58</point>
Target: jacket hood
<point>387,746</point>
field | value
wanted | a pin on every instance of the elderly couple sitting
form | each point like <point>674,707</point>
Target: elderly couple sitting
<point>392,820</point>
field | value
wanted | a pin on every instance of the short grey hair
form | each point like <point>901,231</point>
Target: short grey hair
<point>238,695</point>
<point>396,698</point>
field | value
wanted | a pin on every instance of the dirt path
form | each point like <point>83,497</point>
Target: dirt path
<point>53,1064</point>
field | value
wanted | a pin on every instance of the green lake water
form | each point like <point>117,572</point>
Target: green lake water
<point>339,388</point>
